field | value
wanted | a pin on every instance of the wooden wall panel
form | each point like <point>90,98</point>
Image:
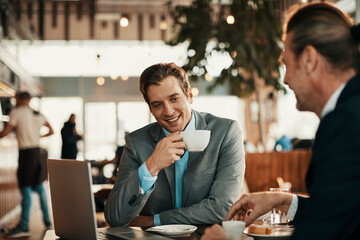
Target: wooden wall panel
<point>262,169</point>
<point>9,193</point>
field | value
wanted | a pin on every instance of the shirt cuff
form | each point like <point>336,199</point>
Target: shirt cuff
<point>145,179</point>
<point>157,221</point>
<point>293,207</point>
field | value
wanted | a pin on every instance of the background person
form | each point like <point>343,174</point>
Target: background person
<point>27,124</point>
<point>115,160</point>
<point>69,138</point>
<point>103,176</point>
<point>161,183</point>
<point>322,68</point>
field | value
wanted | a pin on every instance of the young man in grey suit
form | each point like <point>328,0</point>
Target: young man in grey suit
<point>322,67</point>
<point>159,182</point>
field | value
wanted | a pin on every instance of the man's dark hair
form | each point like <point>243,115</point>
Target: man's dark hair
<point>327,29</point>
<point>154,74</point>
<point>23,95</point>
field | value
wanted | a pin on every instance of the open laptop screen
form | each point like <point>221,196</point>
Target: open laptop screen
<point>72,199</point>
<point>73,205</point>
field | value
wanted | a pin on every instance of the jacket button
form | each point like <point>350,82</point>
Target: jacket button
<point>132,200</point>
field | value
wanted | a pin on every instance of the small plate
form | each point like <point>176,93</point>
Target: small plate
<point>173,229</point>
<point>276,234</point>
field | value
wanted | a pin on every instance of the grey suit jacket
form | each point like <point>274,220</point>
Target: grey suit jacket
<point>211,184</point>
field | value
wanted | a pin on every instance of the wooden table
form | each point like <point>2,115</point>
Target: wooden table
<point>50,235</point>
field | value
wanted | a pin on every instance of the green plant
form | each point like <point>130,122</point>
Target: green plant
<point>253,42</point>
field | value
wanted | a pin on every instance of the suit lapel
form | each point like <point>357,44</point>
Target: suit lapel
<point>170,176</point>
<point>193,161</point>
<point>157,135</point>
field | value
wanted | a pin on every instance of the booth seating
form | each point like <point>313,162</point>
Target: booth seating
<point>263,169</point>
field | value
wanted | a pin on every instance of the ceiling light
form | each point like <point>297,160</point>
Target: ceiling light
<point>124,21</point>
<point>124,77</point>
<point>114,77</point>
<point>230,19</point>
<point>100,81</point>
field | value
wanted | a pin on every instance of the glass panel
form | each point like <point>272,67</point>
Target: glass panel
<point>132,116</point>
<point>57,111</point>
<point>222,106</point>
<point>100,130</point>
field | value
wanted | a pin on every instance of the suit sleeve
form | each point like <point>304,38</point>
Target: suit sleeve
<point>126,199</point>
<point>225,189</point>
<point>332,210</point>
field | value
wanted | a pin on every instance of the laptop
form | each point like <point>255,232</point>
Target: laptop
<point>74,208</point>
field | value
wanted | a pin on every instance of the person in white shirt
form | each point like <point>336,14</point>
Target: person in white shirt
<point>322,58</point>
<point>31,170</point>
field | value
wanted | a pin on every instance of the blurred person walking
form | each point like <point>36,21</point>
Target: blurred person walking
<point>69,138</point>
<point>31,170</point>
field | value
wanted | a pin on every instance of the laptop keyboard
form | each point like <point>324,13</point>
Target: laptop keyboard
<point>126,233</point>
<point>106,236</point>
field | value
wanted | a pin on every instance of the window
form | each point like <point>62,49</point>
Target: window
<point>57,111</point>
<point>132,116</point>
<point>100,130</point>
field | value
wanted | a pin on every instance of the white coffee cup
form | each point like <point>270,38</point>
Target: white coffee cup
<point>233,229</point>
<point>196,140</point>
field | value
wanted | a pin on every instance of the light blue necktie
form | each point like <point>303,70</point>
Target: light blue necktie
<point>180,167</point>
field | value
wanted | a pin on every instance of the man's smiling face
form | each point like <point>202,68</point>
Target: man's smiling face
<point>169,104</point>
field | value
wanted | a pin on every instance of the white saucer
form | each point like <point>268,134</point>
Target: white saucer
<point>282,234</point>
<point>173,229</point>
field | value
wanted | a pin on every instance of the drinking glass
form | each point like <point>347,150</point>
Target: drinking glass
<point>277,218</point>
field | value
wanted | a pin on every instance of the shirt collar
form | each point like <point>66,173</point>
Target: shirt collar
<point>190,126</point>
<point>331,103</point>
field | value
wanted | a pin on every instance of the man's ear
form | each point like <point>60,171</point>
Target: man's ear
<point>310,58</point>
<point>190,95</point>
